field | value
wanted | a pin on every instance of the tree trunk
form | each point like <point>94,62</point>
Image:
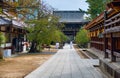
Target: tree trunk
<point>1,53</point>
<point>33,48</point>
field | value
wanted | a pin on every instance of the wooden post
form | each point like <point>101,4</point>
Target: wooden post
<point>10,35</point>
<point>105,47</point>
<point>10,31</point>
<point>113,57</point>
<point>105,40</point>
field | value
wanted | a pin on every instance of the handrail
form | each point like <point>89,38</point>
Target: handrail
<point>112,22</point>
<point>112,17</point>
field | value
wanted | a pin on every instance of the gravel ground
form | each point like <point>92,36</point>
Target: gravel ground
<point>20,66</point>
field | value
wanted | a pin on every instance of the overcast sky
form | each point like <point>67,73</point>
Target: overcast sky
<point>67,4</point>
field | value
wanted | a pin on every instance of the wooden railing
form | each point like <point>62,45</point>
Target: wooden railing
<point>113,29</point>
<point>112,18</point>
<point>115,53</point>
<point>113,24</point>
<point>108,51</point>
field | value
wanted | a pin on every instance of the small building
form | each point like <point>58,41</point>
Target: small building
<point>73,21</point>
<point>14,33</point>
<point>11,26</point>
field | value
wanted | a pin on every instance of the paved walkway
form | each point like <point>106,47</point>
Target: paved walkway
<point>66,63</point>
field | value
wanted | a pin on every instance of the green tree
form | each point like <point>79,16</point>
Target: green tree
<point>96,7</point>
<point>42,32</point>
<point>33,9</point>
<point>42,24</point>
<point>28,9</point>
<point>63,37</point>
<point>59,36</point>
<point>82,37</point>
<point>2,40</point>
<point>42,29</point>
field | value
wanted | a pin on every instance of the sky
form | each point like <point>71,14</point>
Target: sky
<point>67,4</point>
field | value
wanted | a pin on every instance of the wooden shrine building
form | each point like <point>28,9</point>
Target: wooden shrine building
<point>73,21</point>
<point>104,31</point>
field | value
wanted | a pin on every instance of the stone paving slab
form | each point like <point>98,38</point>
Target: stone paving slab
<point>66,63</point>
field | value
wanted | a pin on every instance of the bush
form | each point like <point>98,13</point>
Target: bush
<point>82,38</point>
<point>2,40</point>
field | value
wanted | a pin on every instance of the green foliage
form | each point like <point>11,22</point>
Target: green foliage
<point>0,10</point>
<point>44,31</point>
<point>96,7</point>
<point>39,31</point>
<point>63,37</point>
<point>44,28</point>
<point>82,37</point>
<point>33,9</point>
<point>24,3</point>
<point>2,38</point>
<point>59,36</point>
<point>27,9</point>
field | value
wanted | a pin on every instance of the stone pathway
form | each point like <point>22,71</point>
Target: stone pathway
<point>66,63</point>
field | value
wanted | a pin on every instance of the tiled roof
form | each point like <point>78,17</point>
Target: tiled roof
<point>15,23</point>
<point>18,24</point>
<point>4,21</point>
<point>70,16</point>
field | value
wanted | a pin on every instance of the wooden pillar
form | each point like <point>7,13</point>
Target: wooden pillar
<point>105,46</point>
<point>105,40</point>
<point>10,36</point>
<point>113,57</point>
<point>10,31</point>
<point>0,28</point>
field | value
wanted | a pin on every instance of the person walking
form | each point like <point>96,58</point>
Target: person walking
<point>71,44</point>
<point>57,45</point>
